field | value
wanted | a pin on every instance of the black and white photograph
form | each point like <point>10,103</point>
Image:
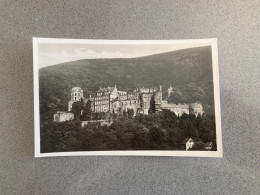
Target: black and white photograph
<point>115,97</point>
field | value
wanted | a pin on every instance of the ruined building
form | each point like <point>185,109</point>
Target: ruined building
<point>76,94</point>
<point>141,101</point>
<point>61,116</point>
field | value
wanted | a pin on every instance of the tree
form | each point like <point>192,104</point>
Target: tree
<point>124,113</point>
<point>59,137</point>
<point>152,105</point>
<point>176,97</point>
<point>157,137</point>
<point>174,137</point>
<point>130,113</point>
<point>206,129</point>
<point>97,116</point>
<point>77,107</point>
<point>168,119</point>
<point>87,112</point>
<point>187,127</point>
<point>193,93</point>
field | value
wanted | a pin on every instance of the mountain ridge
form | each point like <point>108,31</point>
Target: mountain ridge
<point>152,55</point>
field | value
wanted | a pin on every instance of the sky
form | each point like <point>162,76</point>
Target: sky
<point>56,53</point>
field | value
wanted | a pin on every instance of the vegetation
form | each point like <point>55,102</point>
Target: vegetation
<point>163,131</point>
<point>87,112</point>
<point>77,108</point>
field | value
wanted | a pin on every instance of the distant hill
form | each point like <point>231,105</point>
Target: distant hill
<point>183,69</point>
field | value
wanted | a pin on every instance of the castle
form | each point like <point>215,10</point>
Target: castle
<point>141,101</point>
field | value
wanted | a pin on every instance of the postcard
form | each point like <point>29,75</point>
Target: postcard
<point>126,97</point>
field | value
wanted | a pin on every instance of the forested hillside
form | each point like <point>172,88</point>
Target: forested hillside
<point>162,131</point>
<point>189,71</point>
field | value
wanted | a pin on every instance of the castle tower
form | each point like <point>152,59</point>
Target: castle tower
<point>76,93</point>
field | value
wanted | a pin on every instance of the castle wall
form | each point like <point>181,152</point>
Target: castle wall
<point>63,116</point>
<point>70,105</point>
<point>114,105</point>
<point>158,101</point>
<point>102,103</point>
<point>133,96</point>
<point>114,94</point>
<point>122,97</point>
<point>102,122</point>
<point>147,90</point>
<point>145,102</point>
<point>197,109</point>
<point>130,104</point>
<point>178,109</point>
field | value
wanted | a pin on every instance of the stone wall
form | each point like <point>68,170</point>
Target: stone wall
<point>178,109</point>
<point>158,101</point>
<point>145,102</point>
<point>102,122</point>
<point>63,116</point>
<point>101,103</point>
<point>196,108</point>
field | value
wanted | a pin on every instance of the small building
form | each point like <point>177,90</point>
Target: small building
<point>61,116</point>
<point>189,143</point>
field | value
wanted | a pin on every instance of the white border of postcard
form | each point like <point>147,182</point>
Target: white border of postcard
<point>192,42</point>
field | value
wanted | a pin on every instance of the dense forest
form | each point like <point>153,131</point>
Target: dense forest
<point>189,71</point>
<point>163,131</point>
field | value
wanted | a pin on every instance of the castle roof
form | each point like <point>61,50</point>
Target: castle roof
<point>122,92</point>
<point>76,89</point>
<point>106,89</point>
<point>187,140</point>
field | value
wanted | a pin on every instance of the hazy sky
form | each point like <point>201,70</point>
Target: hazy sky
<point>56,53</point>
